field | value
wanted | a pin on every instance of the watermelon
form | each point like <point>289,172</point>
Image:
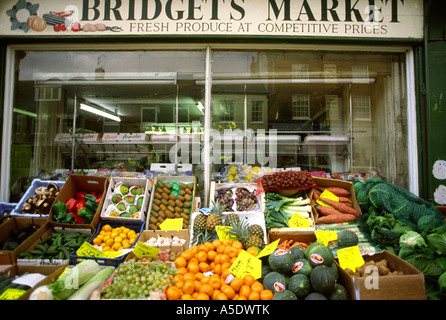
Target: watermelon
<point>318,254</point>
<point>334,267</point>
<point>315,296</point>
<point>298,252</point>
<point>281,261</point>
<point>323,280</point>
<point>340,293</point>
<point>284,295</point>
<point>347,238</point>
<point>265,270</point>
<point>274,281</point>
<point>302,266</point>
<point>300,285</point>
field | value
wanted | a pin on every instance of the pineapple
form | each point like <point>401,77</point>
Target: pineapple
<point>231,219</point>
<point>202,237</point>
<point>241,230</point>
<point>215,218</point>
<point>200,222</point>
<point>256,230</point>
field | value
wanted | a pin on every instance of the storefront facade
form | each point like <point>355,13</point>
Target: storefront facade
<point>204,86</point>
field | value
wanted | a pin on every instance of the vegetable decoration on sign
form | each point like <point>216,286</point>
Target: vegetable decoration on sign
<point>20,13</point>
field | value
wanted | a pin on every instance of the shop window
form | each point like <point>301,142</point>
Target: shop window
<point>257,111</point>
<point>301,106</point>
<point>46,93</point>
<point>362,108</point>
<point>332,107</point>
<point>300,71</point>
<point>360,71</point>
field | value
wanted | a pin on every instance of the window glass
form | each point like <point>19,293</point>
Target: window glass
<point>64,94</point>
<point>319,110</point>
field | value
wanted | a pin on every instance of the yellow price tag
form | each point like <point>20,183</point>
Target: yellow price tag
<point>222,233</point>
<point>327,195</point>
<point>268,249</point>
<point>88,250</point>
<point>12,294</point>
<point>325,236</point>
<point>297,221</point>
<point>143,250</point>
<point>245,264</point>
<point>172,224</point>
<point>112,254</point>
<point>350,257</point>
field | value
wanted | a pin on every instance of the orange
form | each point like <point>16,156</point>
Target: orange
<point>215,283</point>
<point>221,296</point>
<point>97,241</point>
<point>257,286</point>
<point>210,246</point>
<point>180,262</point>
<point>237,244</point>
<point>173,293</point>
<point>254,295</point>
<point>193,267</point>
<point>195,295</point>
<point>179,284</point>
<point>225,273</point>
<point>211,255</point>
<point>187,254</point>
<point>227,241</point>
<point>253,250</point>
<point>216,243</point>
<point>205,280</point>
<point>194,249</point>
<point>232,252</point>
<point>203,247</point>
<point>224,258</point>
<point>188,287</point>
<point>266,294</point>
<point>178,277</point>
<point>228,291</point>
<point>215,294</point>
<point>207,289</point>
<point>187,296</point>
<point>199,276</point>
<point>204,267</point>
<point>236,283</point>
<point>245,291</point>
<point>106,227</point>
<point>197,285</point>
<point>201,256</point>
<point>221,248</point>
<point>189,276</point>
<point>217,269</point>
<point>182,270</point>
<point>249,279</point>
<point>202,296</point>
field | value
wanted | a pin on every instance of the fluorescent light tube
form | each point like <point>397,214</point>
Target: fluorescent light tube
<point>100,112</point>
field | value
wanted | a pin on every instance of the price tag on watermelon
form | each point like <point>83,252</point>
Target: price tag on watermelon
<point>222,233</point>
<point>245,264</point>
<point>143,250</point>
<point>12,294</point>
<point>172,224</point>
<point>350,257</point>
<point>268,249</point>
<point>298,221</point>
<point>327,195</point>
<point>325,236</point>
<point>88,250</point>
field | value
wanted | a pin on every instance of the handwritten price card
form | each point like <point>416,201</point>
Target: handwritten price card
<point>245,264</point>
<point>222,233</point>
<point>268,249</point>
<point>12,294</point>
<point>325,236</point>
<point>350,257</point>
<point>172,224</point>
<point>143,250</point>
<point>327,195</point>
<point>297,221</point>
<point>88,250</point>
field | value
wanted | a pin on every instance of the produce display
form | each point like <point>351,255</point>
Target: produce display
<point>198,263</point>
<point>77,210</point>
<point>7,283</point>
<point>58,245</point>
<point>16,236</point>
<point>237,199</point>
<point>171,200</point>
<point>42,200</point>
<point>125,201</point>
<point>280,209</point>
<point>114,239</point>
<point>138,280</point>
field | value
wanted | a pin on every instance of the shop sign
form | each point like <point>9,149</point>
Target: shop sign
<point>389,19</point>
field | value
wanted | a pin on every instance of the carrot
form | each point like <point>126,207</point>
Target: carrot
<point>340,206</point>
<point>337,218</point>
<point>337,191</point>
<point>326,211</point>
<point>346,201</point>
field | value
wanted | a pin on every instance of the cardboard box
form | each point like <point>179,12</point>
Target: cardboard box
<point>325,182</point>
<point>172,179</point>
<point>297,235</point>
<point>77,183</point>
<point>52,273</point>
<point>9,257</point>
<point>409,286</point>
<point>143,183</point>
<point>45,231</point>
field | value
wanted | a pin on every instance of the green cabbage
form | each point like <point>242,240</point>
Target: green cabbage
<point>412,239</point>
<point>437,240</point>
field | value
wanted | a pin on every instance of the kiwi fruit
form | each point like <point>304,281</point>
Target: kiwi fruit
<point>171,202</point>
<point>160,184</point>
<point>159,190</point>
<point>164,201</point>
<point>183,186</point>
<point>157,201</point>
<point>169,214</point>
<point>157,195</point>
<point>155,207</point>
<point>188,191</point>
<point>166,191</point>
<point>153,226</point>
<point>186,211</point>
<point>178,209</point>
<point>168,186</point>
<point>165,196</point>
<point>179,203</point>
<point>182,192</point>
<point>163,207</point>
<point>172,197</point>
<point>187,197</point>
<point>171,209</point>
<point>187,204</point>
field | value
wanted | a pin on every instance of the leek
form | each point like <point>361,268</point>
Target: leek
<point>95,282</point>
<point>279,209</point>
<point>73,279</point>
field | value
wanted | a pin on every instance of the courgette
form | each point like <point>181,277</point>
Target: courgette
<point>36,252</point>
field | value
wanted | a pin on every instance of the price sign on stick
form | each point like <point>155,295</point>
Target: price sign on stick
<point>327,195</point>
<point>325,236</point>
<point>143,250</point>
<point>268,249</point>
<point>297,221</point>
<point>88,250</point>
